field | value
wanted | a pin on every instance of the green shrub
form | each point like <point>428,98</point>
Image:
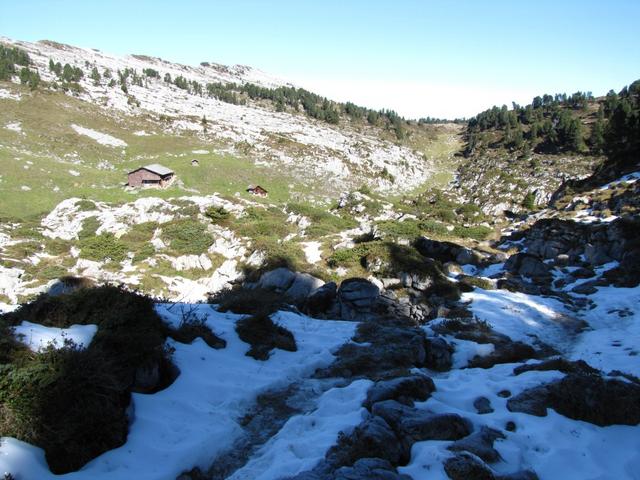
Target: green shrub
<point>144,252</point>
<point>253,302</point>
<point>90,226</point>
<point>85,205</point>
<point>477,232</point>
<point>395,229</point>
<point>529,201</point>
<point>187,236</point>
<point>263,222</point>
<point>67,401</point>
<point>103,247</point>
<point>217,215</point>
<point>72,402</point>
<point>433,227</point>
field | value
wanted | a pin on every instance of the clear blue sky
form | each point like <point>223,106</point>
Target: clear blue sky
<point>439,58</point>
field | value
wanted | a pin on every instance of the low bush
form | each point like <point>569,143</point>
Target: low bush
<point>264,335</point>
<point>103,247</point>
<point>193,326</point>
<point>71,402</point>
<point>217,215</point>
<point>249,301</point>
<point>477,232</point>
<point>90,226</point>
<point>187,237</point>
<point>407,229</point>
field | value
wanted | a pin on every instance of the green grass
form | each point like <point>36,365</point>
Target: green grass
<point>54,148</point>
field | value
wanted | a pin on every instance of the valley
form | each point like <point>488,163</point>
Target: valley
<point>411,299</point>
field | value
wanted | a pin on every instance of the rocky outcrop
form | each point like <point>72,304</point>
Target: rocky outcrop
<point>589,398</point>
<point>357,299</point>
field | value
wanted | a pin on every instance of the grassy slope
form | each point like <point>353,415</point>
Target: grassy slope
<point>48,141</point>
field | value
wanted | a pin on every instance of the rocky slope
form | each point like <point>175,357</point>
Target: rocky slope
<point>288,140</point>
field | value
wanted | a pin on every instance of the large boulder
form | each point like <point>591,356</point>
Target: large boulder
<point>529,266</point>
<point>417,425</point>
<point>357,298</point>
<point>302,286</point>
<point>322,300</point>
<point>279,279</point>
<point>585,397</point>
<point>372,438</point>
<point>439,354</point>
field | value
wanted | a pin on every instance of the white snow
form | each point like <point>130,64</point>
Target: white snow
<point>38,337</point>
<point>312,251</point>
<point>522,317</point>
<point>196,418</point>
<point>553,446</point>
<point>613,341</point>
<point>101,138</point>
<point>304,439</point>
<point>14,126</point>
<point>75,173</point>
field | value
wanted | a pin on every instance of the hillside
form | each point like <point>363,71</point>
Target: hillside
<point>411,300</point>
<point>141,110</point>
<point>517,158</point>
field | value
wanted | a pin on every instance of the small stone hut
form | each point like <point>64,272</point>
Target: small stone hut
<point>151,176</point>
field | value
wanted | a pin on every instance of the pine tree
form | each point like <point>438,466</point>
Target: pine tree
<point>597,140</point>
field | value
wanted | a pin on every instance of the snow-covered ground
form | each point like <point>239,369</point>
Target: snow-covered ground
<point>196,418</point>
<point>553,446</point>
<point>101,138</point>
<point>38,337</point>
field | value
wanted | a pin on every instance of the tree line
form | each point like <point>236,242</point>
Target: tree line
<point>10,57</point>
<point>555,123</point>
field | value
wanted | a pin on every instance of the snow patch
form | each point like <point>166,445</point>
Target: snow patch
<point>101,138</point>
<point>38,337</point>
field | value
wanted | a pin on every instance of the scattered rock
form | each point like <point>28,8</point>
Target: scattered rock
<point>467,467</point>
<point>402,389</point>
<point>369,469</point>
<point>418,425</point>
<point>483,405</point>
<point>480,444</point>
<point>439,354</point>
<point>532,401</point>
<point>372,438</point>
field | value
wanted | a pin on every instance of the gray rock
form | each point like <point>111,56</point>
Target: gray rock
<point>527,265</point>
<point>418,425</point>
<point>532,401</point>
<point>467,467</point>
<point>322,299</point>
<point>279,279</point>
<point>357,298</point>
<point>483,405</point>
<point>369,469</point>
<point>439,354</point>
<point>596,254</point>
<point>405,389</point>
<point>372,438</point>
<point>302,286</point>
<point>466,256</point>
<point>480,443</point>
